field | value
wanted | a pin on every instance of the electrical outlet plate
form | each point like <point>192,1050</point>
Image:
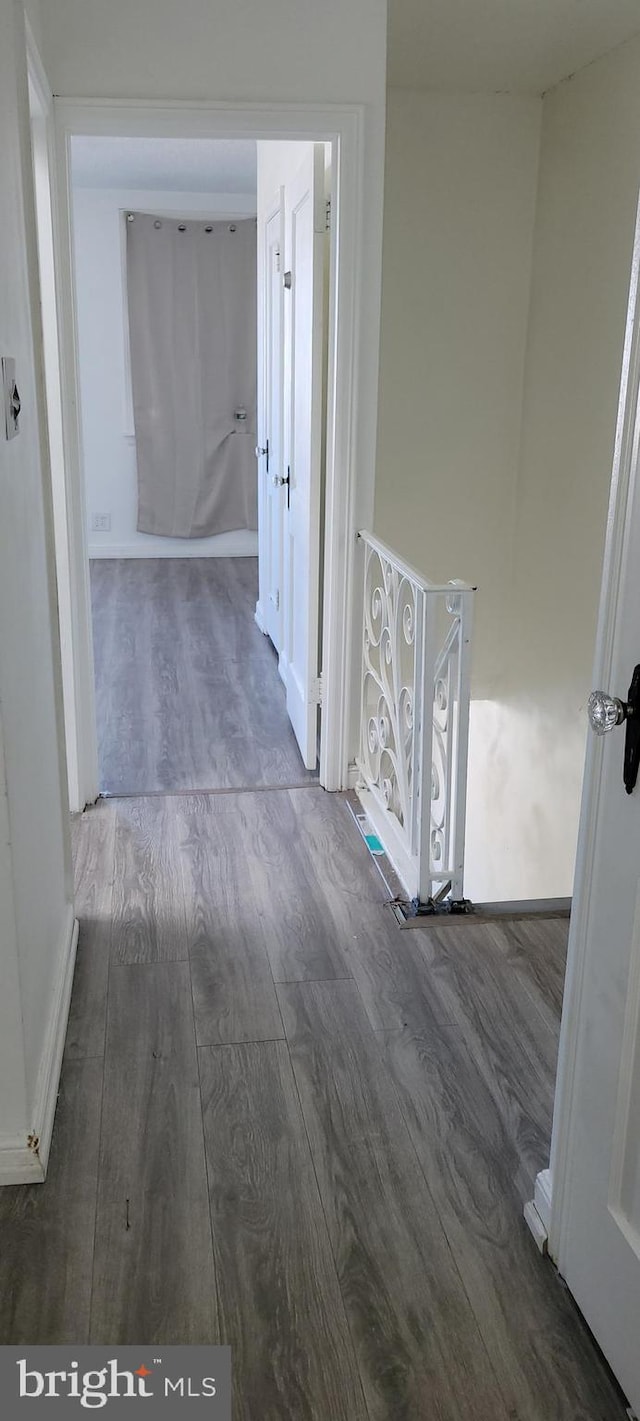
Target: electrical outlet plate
<point>101,523</point>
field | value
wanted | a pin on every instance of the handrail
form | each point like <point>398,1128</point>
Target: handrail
<point>407,568</point>
<point>415,697</point>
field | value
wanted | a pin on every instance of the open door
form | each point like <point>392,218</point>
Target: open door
<point>270,451</point>
<point>305,225</point>
<point>595,1217</point>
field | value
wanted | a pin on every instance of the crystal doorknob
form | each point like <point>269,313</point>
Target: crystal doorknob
<point>605,711</point>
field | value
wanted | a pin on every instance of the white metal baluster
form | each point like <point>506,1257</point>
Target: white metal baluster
<point>401,746</point>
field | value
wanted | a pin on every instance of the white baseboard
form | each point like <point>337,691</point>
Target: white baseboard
<point>353,776</point>
<point>259,618</point>
<point>19,1164</point>
<point>25,1162</point>
<point>243,544</point>
<point>537,1211</point>
<point>542,1196</point>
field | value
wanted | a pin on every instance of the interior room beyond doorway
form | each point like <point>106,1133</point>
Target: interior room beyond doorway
<point>194,688</point>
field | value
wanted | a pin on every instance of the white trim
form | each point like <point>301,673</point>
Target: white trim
<point>80,595</point>
<point>343,126</point>
<point>19,1164</point>
<point>259,618</point>
<point>537,1211</point>
<point>542,1196</point>
<point>236,545</point>
<point>354,778</point>
<point>535,1226</point>
<point>25,1162</point>
<point>37,72</point>
<point>564,1123</point>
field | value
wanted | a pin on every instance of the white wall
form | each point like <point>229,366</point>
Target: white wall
<point>36,915</point>
<point>497,418</point>
<point>589,183</point>
<point>108,442</point>
<point>459,208</point>
<point>460,191</point>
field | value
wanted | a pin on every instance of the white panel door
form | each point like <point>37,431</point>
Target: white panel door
<point>271,468</point>
<point>301,495</point>
<point>597,1130</point>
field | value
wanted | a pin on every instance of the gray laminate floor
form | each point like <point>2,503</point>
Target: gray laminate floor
<point>289,1125</point>
<point>188,693</point>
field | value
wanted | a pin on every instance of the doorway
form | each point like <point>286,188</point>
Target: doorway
<point>192,691</point>
<point>345,497</point>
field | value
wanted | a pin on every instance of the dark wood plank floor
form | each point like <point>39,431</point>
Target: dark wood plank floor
<point>286,1124</point>
<point>188,692</point>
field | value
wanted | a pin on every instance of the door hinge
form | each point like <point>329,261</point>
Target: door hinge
<point>315,694</point>
<point>327,216</point>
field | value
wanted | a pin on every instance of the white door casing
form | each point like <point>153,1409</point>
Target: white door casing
<point>270,609</point>
<point>354,308</point>
<point>594,1232</point>
<point>301,494</point>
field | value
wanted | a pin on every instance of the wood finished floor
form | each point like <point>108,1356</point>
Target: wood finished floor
<point>288,1125</point>
<point>188,693</point>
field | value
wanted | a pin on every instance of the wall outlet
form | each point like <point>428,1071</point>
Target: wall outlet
<point>101,523</point>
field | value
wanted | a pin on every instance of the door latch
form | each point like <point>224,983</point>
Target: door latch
<point>605,712</point>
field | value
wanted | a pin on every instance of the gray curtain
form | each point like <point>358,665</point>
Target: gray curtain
<point>192,325</point>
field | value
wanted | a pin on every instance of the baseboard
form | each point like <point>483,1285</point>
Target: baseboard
<point>19,1164</point>
<point>515,911</point>
<point>240,545</point>
<point>259,618</point>
<point>353,776</point>
<point>537,1211</point>
<point>542,1196</point>
<point>25,1162</point>
<point>527,907</point>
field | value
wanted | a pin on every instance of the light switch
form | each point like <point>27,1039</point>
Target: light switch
<point>11,397</point>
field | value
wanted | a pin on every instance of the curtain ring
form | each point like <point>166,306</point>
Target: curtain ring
<point>157,224</point>
<point>232,227</point>
<point>208,229</point>
<point>182,226</point>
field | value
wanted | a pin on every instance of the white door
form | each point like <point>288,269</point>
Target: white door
<point>595,1221</point>
<point>270,451</point>
<point>301,494</point>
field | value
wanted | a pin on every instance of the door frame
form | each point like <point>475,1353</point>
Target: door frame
<point>275,209</point>
<point>343,127</point>
<point>554,1188</point>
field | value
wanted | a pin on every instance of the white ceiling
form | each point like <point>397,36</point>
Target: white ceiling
<point>524,46</point>
<point>161,164</point>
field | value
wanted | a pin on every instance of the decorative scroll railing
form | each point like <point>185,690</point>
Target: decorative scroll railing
<point>415,720</point>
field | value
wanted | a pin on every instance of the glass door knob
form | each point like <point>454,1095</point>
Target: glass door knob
<point>605,711</point>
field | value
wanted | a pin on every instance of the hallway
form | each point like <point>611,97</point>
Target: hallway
<point>289,1125</point>
<point>188,694</point>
